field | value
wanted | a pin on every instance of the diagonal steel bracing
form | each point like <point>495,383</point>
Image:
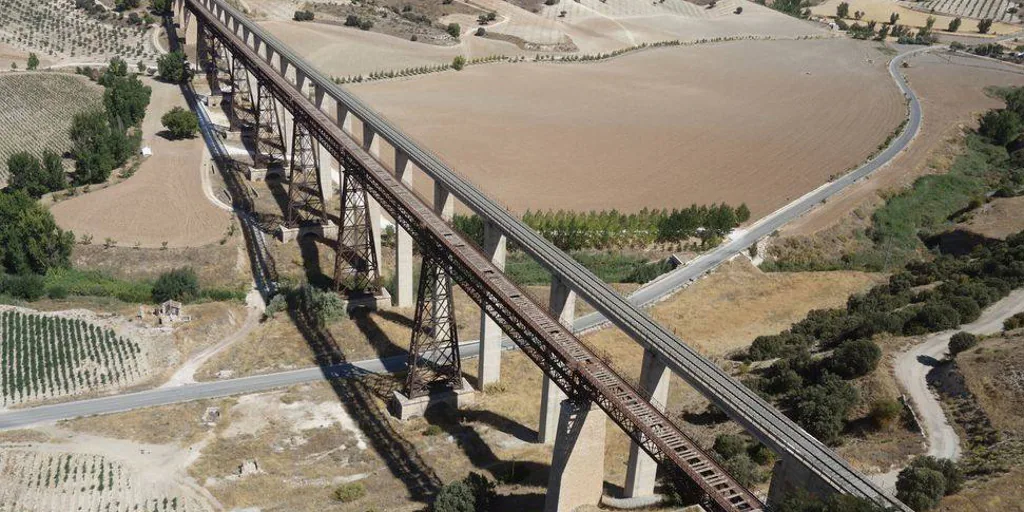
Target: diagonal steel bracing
<point>269,139</point>
<point>305,197</point>
<point>434,362</point>
<point>242,102</point>
<point>355,260</point>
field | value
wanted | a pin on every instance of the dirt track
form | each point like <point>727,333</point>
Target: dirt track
<point>661,128</point>
<point>163,201</point>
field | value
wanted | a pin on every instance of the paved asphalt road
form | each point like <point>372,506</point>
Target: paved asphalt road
<point>647,295</point>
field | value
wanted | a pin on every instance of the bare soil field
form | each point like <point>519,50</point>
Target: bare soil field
<point>879,10</point>
<point>217,265</point>
<point>662,128</point>
<point>952,92</point>
<point>36,109</point>
<point>589,26</point>
<point>162,202</point>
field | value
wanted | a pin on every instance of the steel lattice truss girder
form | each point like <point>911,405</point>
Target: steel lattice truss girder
<point>580,373</point>
<point>434,360</point>
<point>355,259</point>
<point>269,139</point>
<point>242,102</point>
<point>305,197</point>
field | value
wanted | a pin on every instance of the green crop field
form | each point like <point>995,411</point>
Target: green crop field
<point>36,111</point>
<point>46,356</point>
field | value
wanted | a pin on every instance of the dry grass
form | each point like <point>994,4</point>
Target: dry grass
<point>998,219</point>
<point>1004,493</point>
<point>994,372</point>
<point>178,423</point>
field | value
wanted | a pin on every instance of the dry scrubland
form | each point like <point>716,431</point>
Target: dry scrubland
<point>36,111</point>
<point>661,128</point>
<point>952,92</point>
<point>162,202</point>
<point>999,218</point>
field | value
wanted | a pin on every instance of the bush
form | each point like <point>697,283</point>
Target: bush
<point>57,292</point>
<point>920,488</point>
<point>744,470</point>
<point>1000,126</point>
<point>303,16</point>
<point>855,358</point>
<point>350,492</point>
<point>822,409</point>
<point>323,306</point>
<point>458,63</point>
<point>884,413</point>
<point>180,122</point>
<point>171,67</point>
<point>277,304</point>
<point>180,284</point>
<point>454,30</point>
<point>761,454</point>
<point>729,445</point>
<point>960,342</point>
<point>984,25</point>
<point>475,493</point>
<point>30,241</point>
<point>1014,322</point>
<point>778,345</point>
<point>480,31</point>
<point>34,177</point>
<point>352,20</point>
<point>26,287</point>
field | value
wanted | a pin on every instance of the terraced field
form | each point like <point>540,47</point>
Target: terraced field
<point>36,111</point>
<point>50,481</point>
<point>994,9</point>
<point>48,356</point>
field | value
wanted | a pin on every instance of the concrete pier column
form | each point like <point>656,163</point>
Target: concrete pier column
<point>327,162</point>
<point>576,477</point>
<point>642,469</point>
<point>194,35</point>
<point>489,361</point>
<point>403,240</point>
<point>444,202</point>
<point>344,118</point>
<point>563,306</point>
<point>286,135</point>
<point>301,81</point>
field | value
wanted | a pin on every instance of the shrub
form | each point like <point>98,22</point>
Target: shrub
<point>822,409</point>
<point>433,430</point>
<point>27,286</point>
<point>458,63</point>
<point>855,358</point>
<point>1014,322</point>
<point>350,492</point>
<point>920,488</point>
<point>171,67</point>
<point>366,24</point>
<point>352,20</point>
<point>884,413</point>
<point>1000,126</point>
<point>180,122</point>
<point>984,25</point>
<point>954,24</point>
<point>481,31</point>
<point>34,177</point>
<point>454,30</point>
<point>960,342</point>
<point>57,292</point>
<point>729,445</point>
<point>455,497</point>
<point>303,16</point>
<point>761,454</point>
<point>276,305</point>
<point>323,306</point>
<point>180,284</point>
<point>744,470</point>
<point>30,241</point>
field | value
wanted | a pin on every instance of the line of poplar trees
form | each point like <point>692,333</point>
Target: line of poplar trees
<point>571,230</point>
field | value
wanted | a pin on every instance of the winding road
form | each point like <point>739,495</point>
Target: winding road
<point>647,295</point>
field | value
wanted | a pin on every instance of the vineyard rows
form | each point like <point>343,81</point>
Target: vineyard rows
<point>36,111</point>
<point>45,481</point>
<point>980,9</point>
<point>57,29</point>
<point>45,356</point>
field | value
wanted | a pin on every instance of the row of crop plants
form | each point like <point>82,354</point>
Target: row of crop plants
<point>31,480</point>
<point>995,9</point>
<point>43,356</point>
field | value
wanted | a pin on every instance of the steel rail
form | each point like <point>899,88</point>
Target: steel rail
<point>570,363</point>
<point>737,401</point>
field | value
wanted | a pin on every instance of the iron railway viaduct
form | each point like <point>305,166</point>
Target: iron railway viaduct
<point>303,126</point>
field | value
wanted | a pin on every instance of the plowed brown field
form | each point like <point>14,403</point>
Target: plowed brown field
<point>760,122</point>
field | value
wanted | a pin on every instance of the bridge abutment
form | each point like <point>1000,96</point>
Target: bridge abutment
<point>562,305</point>
<point>576,477</point>
<point>642,470</point>
<point>489,360</point>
